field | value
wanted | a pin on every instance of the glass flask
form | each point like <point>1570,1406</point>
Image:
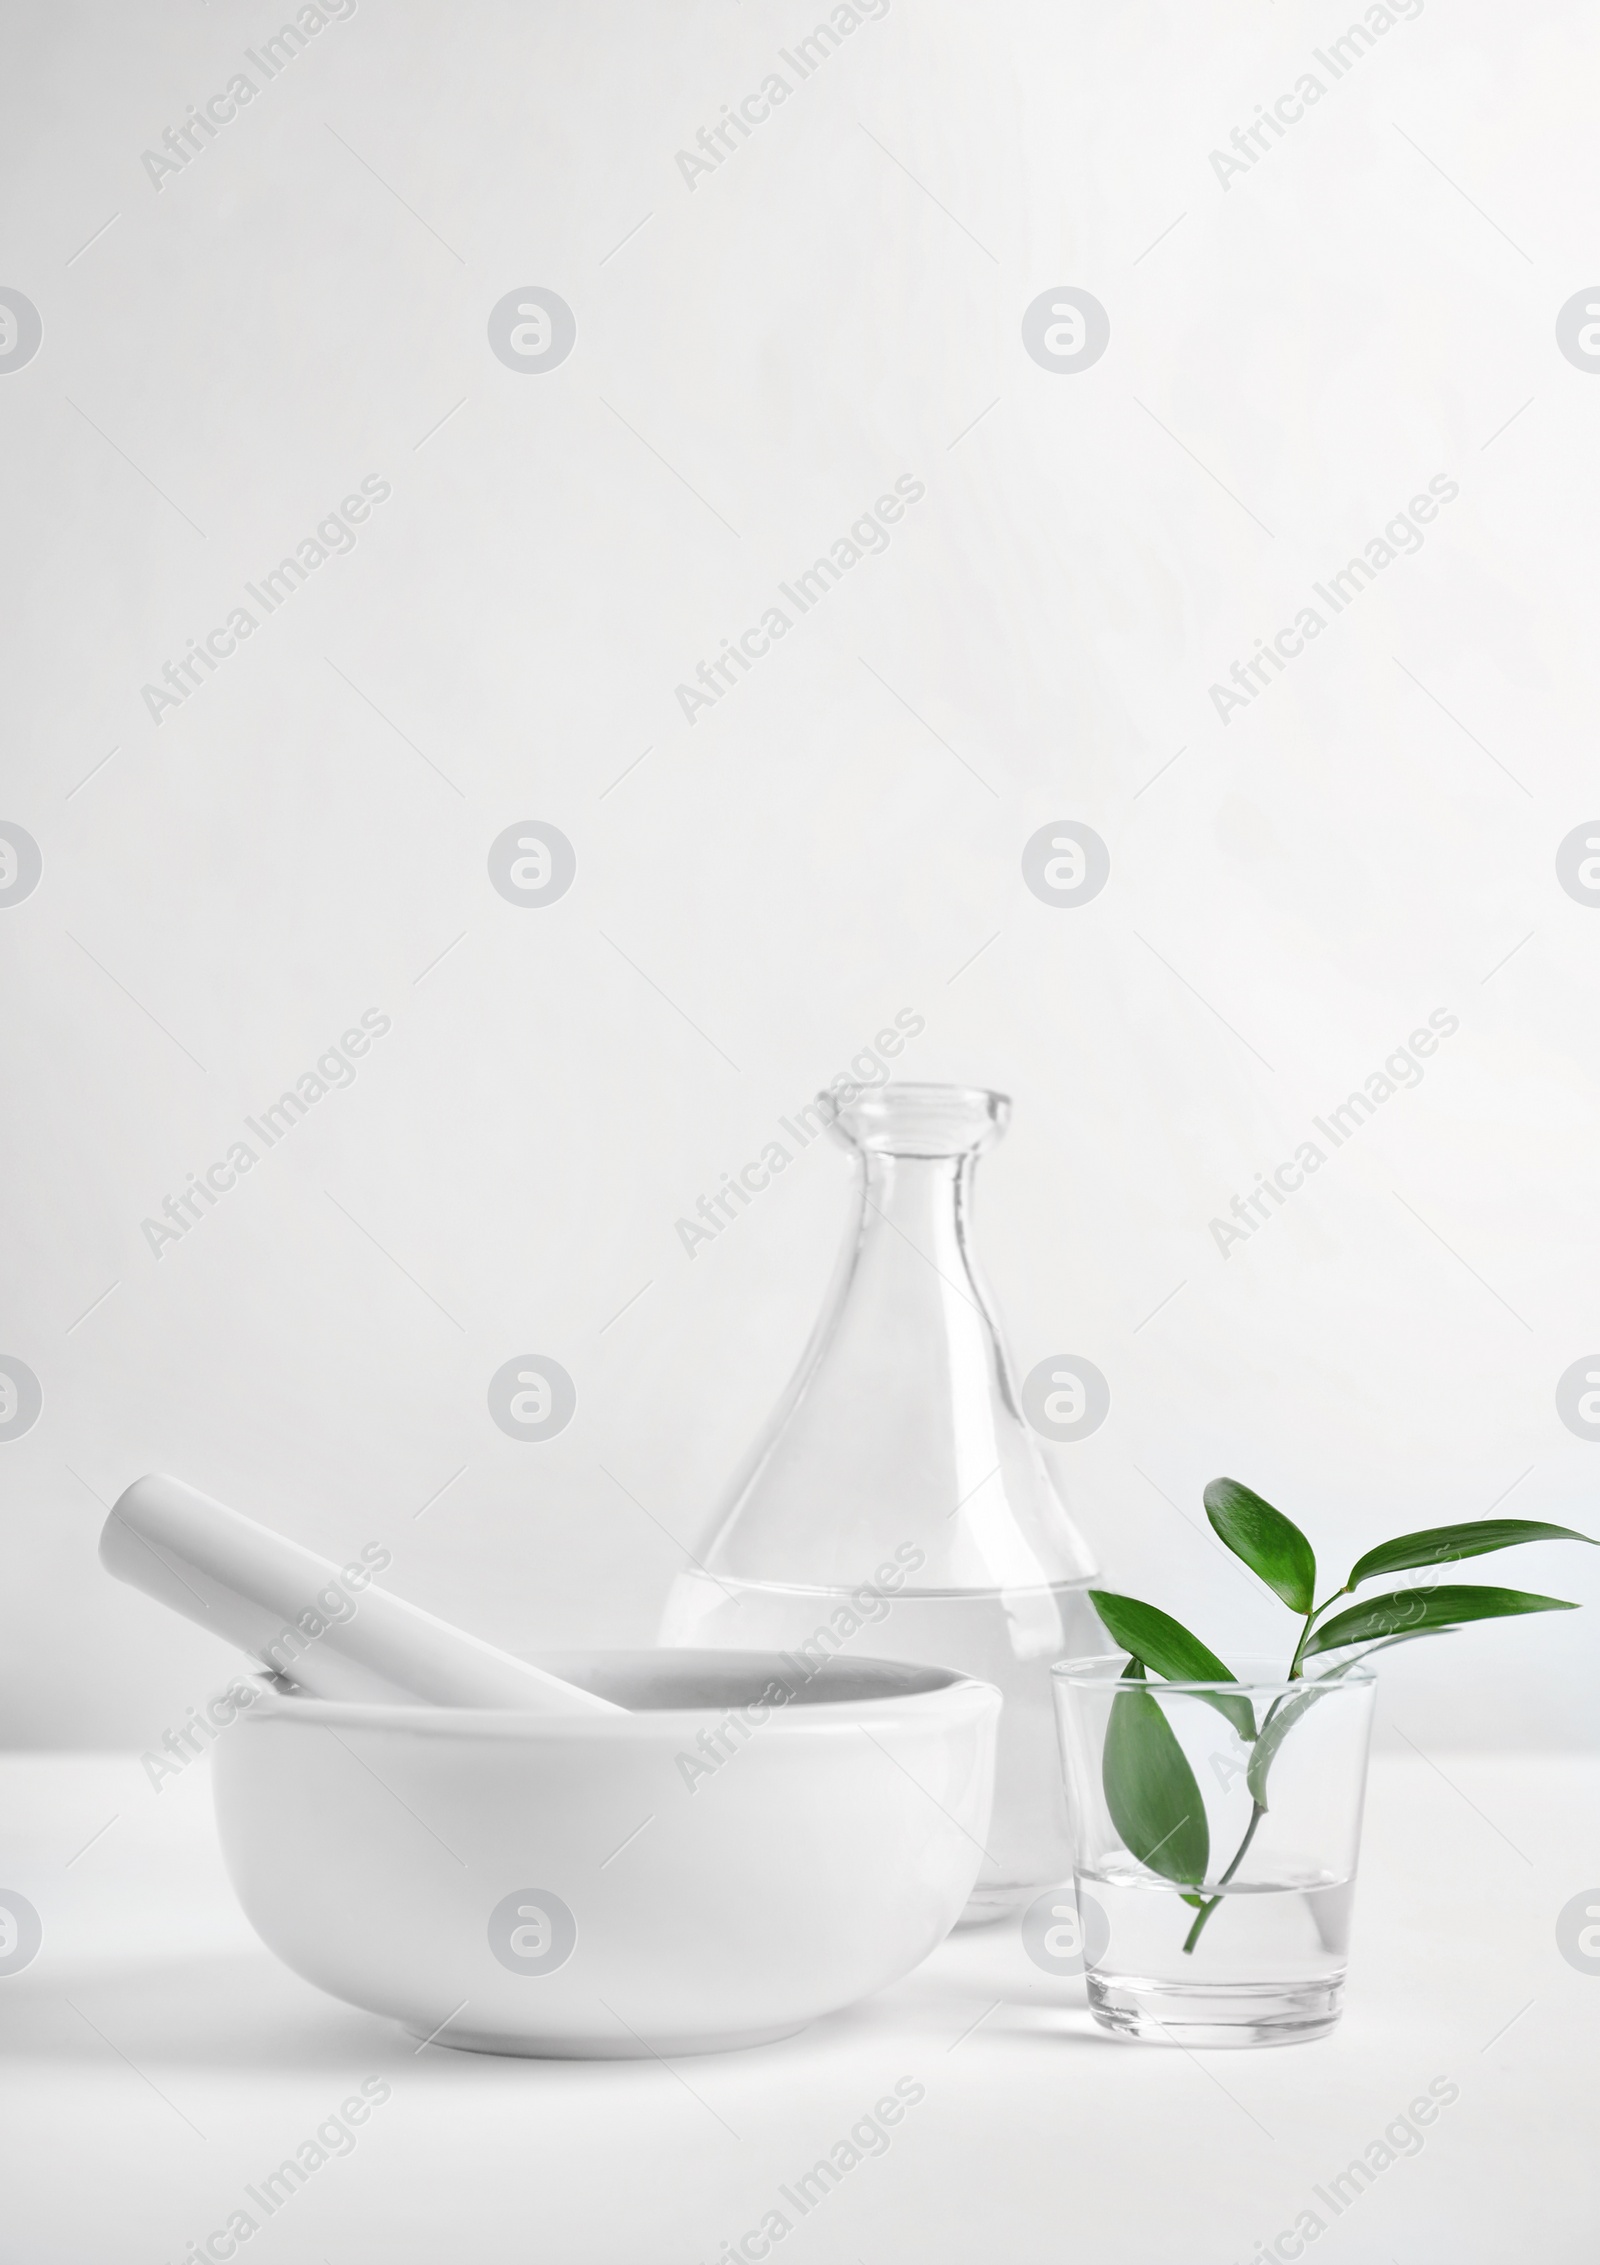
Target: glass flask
<point>896,1504</point>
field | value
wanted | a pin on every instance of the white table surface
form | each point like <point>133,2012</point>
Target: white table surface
<point>155,2060</point>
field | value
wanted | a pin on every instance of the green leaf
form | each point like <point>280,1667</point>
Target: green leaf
<point>1415,1611</point>
<point>1165,1645</point>
<point>1436,1545</point>
<point>1272,1545</point>
<point>1151,1792</point>
<point>1159,1641</point>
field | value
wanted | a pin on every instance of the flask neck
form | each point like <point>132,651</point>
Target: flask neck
<point>899,1447</point>
<point>916,1220</point>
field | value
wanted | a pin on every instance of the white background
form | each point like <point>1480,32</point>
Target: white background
<point>1291,359</point>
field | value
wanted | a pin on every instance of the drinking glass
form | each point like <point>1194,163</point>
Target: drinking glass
<point>1215,1829</point>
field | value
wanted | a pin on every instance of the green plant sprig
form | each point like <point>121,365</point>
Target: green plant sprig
<point>1151,1791</point>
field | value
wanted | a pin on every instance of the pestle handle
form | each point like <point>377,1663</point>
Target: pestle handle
<point>323,1625</point>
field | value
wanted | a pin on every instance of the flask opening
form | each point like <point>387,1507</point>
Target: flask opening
<point>921,1120</point>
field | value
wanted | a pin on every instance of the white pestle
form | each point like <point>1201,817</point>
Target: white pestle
<point>262,1592</point>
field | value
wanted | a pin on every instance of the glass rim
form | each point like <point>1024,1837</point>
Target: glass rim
<point>1090,1674</point>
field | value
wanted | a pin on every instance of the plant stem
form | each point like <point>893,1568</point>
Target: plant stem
<point>1312,1617</point>
<point>1258,1808</point>
<point>1257,1812</point>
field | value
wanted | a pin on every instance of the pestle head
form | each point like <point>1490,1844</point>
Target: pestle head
<point>298,1613</point>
